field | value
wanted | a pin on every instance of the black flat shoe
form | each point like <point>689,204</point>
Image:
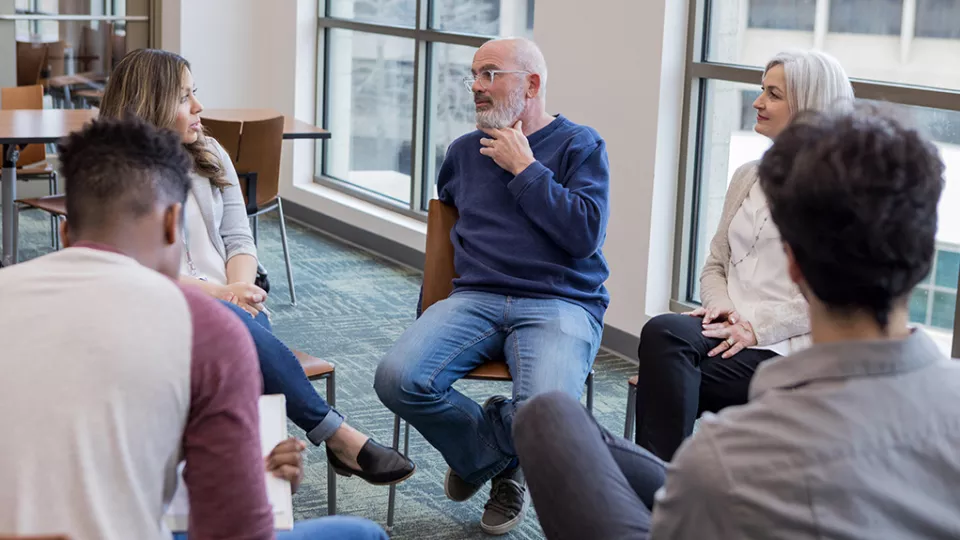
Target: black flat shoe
<point>379,465</point>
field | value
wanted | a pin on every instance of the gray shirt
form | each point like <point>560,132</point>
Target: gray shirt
<point>843,440</point>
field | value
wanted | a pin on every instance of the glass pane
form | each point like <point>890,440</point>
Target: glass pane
<point>782,14</point>
<point>847,16</point>
<point>938,19</point>
<point>728,142</point>
<point>370,111</point>
<point>484,17</point>
<point>919,302</point>
<point>452,112</point>
<point>388,12</point>
<point>948,267</point>
<point>943,310</point>
<point>863,34</point>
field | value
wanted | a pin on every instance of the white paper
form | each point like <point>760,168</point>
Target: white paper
<point>273,430</point>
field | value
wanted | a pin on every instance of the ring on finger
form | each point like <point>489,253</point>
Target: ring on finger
<point>730,341</point>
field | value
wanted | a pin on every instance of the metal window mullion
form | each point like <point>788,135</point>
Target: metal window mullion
<point>422,34</point>
<point>902,94</point>
<point>417,142</point>
<point>685,203</point>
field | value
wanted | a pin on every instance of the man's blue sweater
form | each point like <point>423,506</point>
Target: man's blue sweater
<point>537,234</point>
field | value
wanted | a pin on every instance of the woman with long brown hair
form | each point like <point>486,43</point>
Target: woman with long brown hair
<point>221,258</point>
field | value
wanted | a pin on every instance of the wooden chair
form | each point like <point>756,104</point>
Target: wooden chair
<point>317,369</point>
<point>254,146</point>
<point>31,59</point>
<point>438,276</point>
<point>32,163</point>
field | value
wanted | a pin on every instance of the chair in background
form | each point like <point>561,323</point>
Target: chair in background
<point>317,369</point>
<point>254,146</point>
<point>438,276</point>
<point>55,205</point>
<point>31,59</point>
<point>32,164</point>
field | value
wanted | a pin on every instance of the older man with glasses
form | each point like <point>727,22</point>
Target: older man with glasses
<point>532,190</point>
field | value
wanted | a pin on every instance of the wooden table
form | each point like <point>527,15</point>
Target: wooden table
<point>292,128</point>
<point>18,128</point>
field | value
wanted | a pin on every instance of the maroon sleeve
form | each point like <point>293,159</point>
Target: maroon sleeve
<point>224,471</point>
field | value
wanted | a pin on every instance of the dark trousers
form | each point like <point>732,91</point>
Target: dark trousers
<point>584,481</point>
<point>678,381</point>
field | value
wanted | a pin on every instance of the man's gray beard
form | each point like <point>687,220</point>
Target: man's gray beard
<point>503,115</point>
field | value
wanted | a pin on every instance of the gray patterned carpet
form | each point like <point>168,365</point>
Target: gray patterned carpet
<point>351,306</point>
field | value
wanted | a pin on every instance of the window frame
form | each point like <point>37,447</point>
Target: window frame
<point>698,71</point>
<point>424,39</point>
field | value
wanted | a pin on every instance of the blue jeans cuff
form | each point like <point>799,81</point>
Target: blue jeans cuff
<point>481,477</point>
<point>326,428</point>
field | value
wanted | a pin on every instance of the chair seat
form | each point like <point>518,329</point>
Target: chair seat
<point>314,367</point>
<point>491,371</point>
<point>54,204</point>
<point>36,169</point>
<point>633,380</point>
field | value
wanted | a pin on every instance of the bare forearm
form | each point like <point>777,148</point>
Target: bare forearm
<point>241,269</point>
<point>205,286</point>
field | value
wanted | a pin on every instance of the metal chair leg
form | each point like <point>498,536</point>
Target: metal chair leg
<point>286,253</point>
<point>331,475</point>
<point>16,232</point>
<point>631,412</point>
<point>255,226</point>
<point>392,501</point>
<point>590,392</point>
<point>52,188</point>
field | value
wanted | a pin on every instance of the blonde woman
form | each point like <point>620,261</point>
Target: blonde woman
<point>703,360</point>
<point>220,256</point>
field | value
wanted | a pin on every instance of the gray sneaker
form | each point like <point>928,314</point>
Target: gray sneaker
<point>456,488</point>
<point>508,503</point>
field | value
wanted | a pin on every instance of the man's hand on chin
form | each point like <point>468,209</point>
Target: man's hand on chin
<point>508,147</point>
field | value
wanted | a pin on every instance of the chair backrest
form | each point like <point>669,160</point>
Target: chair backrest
<point>56,59</point>
<point>25,97</point>
<point>438,268</point>
<point>260,145</point>
<point>227,133</point>
<point>31,59</point>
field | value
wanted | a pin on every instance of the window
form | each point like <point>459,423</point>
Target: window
<point>938,19</point>
<point>934,301</point>
<point>724,69</point>
<point>391,90</point>
<point>782,14</point>
<point>867,36</point>
<point>866,16</point>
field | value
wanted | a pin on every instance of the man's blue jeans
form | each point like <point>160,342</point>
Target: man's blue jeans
<point>548,344</point>
<point>327,528</point>
<point>282,374</point>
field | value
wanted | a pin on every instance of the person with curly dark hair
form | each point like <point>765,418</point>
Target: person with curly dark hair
<point>854,437</point>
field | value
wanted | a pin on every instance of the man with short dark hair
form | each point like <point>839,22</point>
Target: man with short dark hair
<point>113,373</point>
<point>856,437</point>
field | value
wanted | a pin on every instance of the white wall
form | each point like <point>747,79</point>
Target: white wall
<point>612,67</point>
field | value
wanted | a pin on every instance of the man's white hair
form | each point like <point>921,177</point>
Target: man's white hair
<point>528,57</point>
<point>815,80</point>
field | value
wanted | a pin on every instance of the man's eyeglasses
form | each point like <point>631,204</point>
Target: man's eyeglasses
<point>486,77</point>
